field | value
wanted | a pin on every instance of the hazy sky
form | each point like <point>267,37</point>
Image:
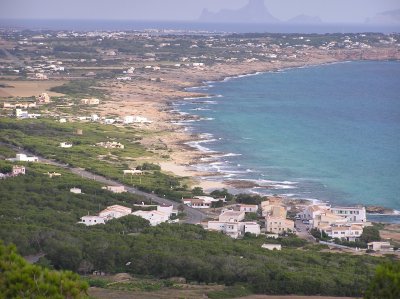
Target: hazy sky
<point>327,10</point>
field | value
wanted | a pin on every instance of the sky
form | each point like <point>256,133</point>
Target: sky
<point>330,11</point>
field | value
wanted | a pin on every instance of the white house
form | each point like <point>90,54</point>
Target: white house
<point>24,158</point>
<point>349,233</point>
<point>248,208</point>
<point>229,228</point>
<point>251,227</point>
<point>75,190</point>
<point>65,144</point>
<point>92,220</point>
<point>231,216</point>
<point>19,113</point>
<point>115,189</point>
<point>94,117</point>
<point>167,209</point>
<point>312,211</point>
<point>115,211</point>
<point>352,214</point>
<point>234,229</point>
<point>272,246</point>
<point>154,217</point>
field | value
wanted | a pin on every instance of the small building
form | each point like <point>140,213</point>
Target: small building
<point>43,98</point>
<point>17,170</point>
<point>92,220</point>
<point>234,229</point>
<point>115,211</point>
<point>352,214</point>
<point>91,101</point>
<point>349,232</point>
<point>19,113</point>
<point>24,158</point>
<point>327,219</point>
<point>380,246</point>
<point>272,246</point>
<point>65,144</point>
<point>154,217</point>
<point>167,209</point>
<point>229,228</point>
<point>278,225</point>
<point>115,189</point>
<point>75,190</point>
<point>231,216</point>
<point>132,172</point>
<point>197,203</point>
<point>251,227</point>
<point>248,208</point>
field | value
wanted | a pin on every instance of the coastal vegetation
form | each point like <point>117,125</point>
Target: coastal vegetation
<point>40,215</point>
<point>43,137</point>
<point>47,225</point>
<point>19,279</point>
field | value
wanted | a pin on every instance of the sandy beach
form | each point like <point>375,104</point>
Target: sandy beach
<point>152,99</point>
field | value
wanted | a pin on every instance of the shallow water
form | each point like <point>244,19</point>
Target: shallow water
<point>329,132</point>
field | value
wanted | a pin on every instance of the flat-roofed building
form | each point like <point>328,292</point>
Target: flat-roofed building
<point>352,214</point>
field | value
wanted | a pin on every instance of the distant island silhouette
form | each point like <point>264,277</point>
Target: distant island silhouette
<point>254,11</point>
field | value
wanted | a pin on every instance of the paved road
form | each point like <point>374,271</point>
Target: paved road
<point>302,232</point>
<point>193,216</point>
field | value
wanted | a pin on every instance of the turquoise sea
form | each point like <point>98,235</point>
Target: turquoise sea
<point>328,132</point>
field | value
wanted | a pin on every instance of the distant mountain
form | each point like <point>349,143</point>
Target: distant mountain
<point>387,17</point>
<point>254,12</point>
<point>304,19</point>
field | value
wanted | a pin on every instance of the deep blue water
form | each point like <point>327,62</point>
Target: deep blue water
<point>84,25</point>
<point>329,132</point>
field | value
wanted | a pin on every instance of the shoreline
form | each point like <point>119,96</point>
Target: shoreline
<point>248,184</point>
<point>168,135</point>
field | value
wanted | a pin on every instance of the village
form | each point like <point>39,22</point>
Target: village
<point>268,218</point>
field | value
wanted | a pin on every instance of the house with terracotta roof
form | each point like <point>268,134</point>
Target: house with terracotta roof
<point>197,203</point>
